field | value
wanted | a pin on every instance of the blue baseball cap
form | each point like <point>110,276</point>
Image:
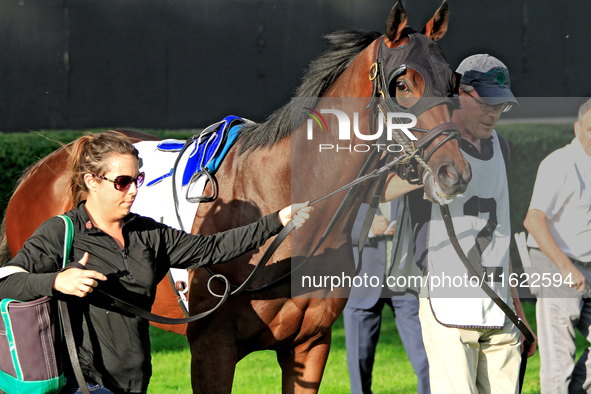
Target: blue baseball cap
<point>489,77</point>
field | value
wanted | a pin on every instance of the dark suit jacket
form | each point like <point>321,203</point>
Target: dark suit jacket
<point>373,263</point>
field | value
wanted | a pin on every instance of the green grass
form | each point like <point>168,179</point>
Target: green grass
<point>259,372</point>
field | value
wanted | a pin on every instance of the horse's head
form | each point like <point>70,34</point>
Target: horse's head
<point>412,78</point>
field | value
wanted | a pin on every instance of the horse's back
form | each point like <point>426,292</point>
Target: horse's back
<point>41,193</point>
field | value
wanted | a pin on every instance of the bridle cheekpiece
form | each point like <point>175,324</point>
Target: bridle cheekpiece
<point>440,86</point>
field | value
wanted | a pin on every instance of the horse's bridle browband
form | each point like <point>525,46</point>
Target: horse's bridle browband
<point>432,96</point>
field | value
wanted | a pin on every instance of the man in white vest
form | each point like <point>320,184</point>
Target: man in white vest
<point>471,345</point>
<point>560,239</point>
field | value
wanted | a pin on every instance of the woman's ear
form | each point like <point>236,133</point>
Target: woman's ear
<point>90,182</point>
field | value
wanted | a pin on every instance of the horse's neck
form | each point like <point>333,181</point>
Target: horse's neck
<point>354,81</point>
<point>317,173</point>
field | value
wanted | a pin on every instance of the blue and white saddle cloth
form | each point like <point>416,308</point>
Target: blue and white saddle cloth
<point>180,164</point>
<point>177,163</point>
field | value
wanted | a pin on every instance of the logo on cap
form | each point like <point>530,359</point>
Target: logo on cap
<point>500,77</point>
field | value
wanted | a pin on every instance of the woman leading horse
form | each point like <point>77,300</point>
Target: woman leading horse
<point>129,253</point>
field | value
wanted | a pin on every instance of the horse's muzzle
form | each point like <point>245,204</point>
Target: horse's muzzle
<point>451,182</point>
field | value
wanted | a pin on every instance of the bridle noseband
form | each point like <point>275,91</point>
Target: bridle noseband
<point>385,70</point>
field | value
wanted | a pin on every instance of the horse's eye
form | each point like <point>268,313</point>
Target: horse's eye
<point>401,86</point>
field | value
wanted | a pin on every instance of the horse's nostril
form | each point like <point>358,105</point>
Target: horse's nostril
<point>450,181</point>
<point>447,175</point>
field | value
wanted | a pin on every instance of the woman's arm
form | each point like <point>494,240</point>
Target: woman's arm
<point>190,251</point>
<point>41,260</point>
<point>40,257</point>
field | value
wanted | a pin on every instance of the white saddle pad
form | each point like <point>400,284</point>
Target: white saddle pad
<point>157,202</point>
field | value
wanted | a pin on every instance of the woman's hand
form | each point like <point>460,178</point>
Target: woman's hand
<point>298,213</point>
<point>77,282</point>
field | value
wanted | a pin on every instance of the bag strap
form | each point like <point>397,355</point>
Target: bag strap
<point>64,314</point>
<point>68,238</point>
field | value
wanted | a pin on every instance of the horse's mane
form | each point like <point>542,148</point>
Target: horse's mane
<point>344,47</point>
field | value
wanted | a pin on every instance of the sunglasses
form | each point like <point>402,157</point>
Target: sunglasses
<point>123,182</point>
<point>503,107</point>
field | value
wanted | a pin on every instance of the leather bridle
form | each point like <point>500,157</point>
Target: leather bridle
<point>383,72</point>
<point>407,161</point>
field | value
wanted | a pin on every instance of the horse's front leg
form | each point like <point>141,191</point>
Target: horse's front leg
<point>302,367</point>
<point>213,364</point>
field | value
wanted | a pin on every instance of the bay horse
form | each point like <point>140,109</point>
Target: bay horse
<point>264,172</point>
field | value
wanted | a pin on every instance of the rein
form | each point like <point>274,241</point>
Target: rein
<point>125,306</point>
<point>353,189</point>
<point>472,272</point>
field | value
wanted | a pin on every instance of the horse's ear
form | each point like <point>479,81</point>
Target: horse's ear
<point>437,26</point>
<point>396,22</point>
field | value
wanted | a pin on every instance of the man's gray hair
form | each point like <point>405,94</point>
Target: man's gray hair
<point>466,88</point>
<point>583,110</point>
